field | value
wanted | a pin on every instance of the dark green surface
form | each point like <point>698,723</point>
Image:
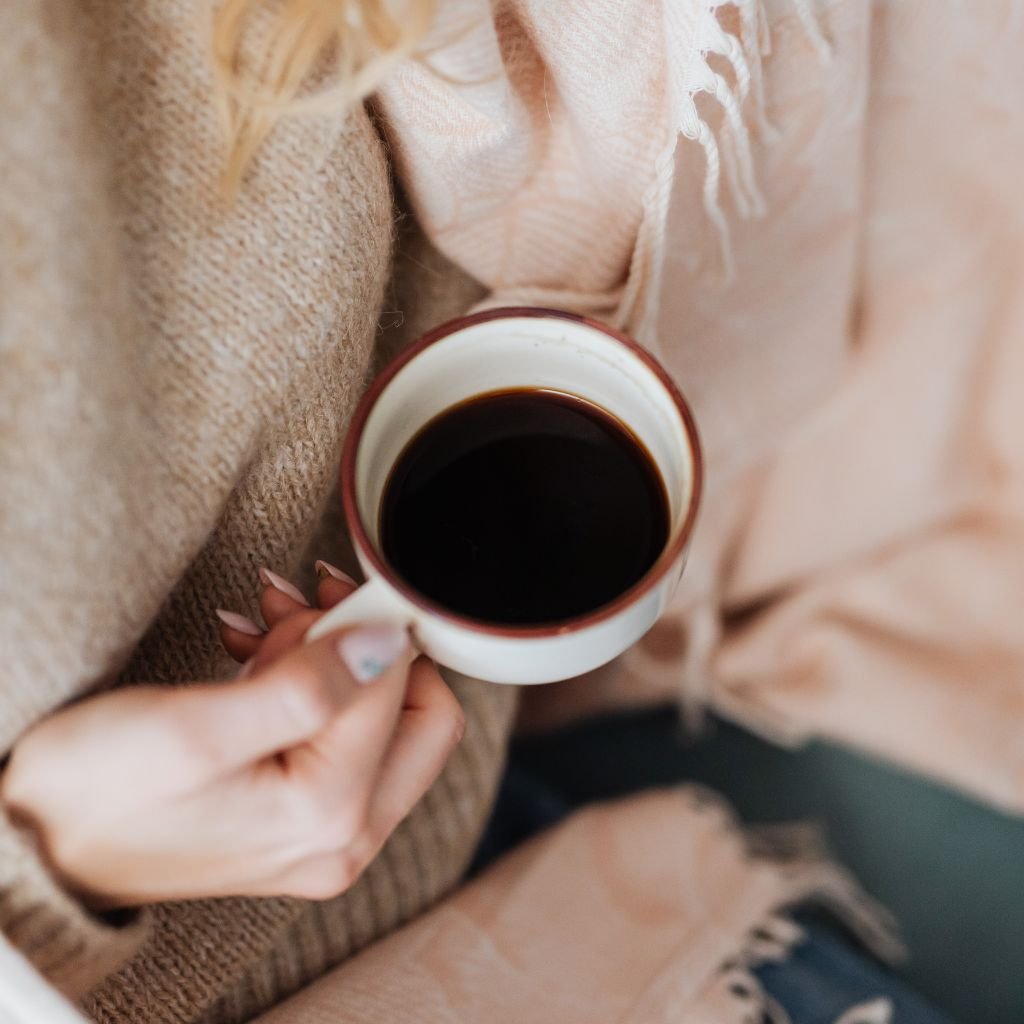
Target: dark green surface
<point>950,869</point>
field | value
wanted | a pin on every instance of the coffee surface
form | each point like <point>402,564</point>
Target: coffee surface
<point>523,508</point>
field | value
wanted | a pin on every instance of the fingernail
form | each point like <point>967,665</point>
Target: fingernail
<point>326,569</point>
<point>240,623</point>
<point>370,651</point>
<point>246,670</point>
<point>271,579</point>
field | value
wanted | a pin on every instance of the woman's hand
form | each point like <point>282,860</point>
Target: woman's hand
<point>286,781</point>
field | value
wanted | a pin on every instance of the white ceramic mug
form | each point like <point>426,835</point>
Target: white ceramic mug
<point>499,350</point>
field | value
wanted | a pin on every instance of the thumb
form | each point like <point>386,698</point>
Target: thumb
<point>294,698</point>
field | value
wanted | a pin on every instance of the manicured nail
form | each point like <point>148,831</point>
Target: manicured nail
<point>271,579</point>
<point>246,670</point>
<point>368,652</point>
<point>326,569</point>
<point>239,623</point>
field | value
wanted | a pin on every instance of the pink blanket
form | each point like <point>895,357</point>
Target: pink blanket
<point>648,911</point>
<point>811,210</point>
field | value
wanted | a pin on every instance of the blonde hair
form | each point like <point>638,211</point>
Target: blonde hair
<point>349,44</point>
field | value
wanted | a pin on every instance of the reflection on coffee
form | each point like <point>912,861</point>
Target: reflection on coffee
<point>524,508</point>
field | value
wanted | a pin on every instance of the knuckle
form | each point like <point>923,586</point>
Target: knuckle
<point>452,719</point>
<point>63,850</point>
<point>459,724</point>
<point>27,781</point>
<point>329,879</point>
<point>313,886</point>
<point>349,866</point>
<point>14,788</point>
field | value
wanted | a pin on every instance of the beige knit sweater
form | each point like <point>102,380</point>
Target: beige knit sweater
<point>175,379</point>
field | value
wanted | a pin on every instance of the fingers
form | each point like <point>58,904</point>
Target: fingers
<point>240,636</point>
<point>334,585</point>
<point>280,599</point>
<point>430,727</point>
<point>283,638</point>
<point>345,757</point>
<point>320,877</point>
<point>294,698</point>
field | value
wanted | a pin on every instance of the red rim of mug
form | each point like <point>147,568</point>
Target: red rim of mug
<point>368,549</point>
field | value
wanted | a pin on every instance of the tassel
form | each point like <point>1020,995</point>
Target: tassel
<point>813,31</point>
<point>877,1011</point>
<point>690,36</point>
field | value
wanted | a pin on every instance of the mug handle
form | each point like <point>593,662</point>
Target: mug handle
<point>374,601</point>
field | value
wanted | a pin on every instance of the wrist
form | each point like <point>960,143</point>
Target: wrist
<point>36,837</point>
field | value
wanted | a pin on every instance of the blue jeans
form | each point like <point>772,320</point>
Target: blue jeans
<point>825,974</point>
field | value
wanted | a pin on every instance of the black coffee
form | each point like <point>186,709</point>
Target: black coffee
<point>523,507</point>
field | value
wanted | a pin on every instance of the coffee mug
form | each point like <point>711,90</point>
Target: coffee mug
<point>495,351</point>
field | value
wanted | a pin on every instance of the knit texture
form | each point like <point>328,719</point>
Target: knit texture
<point>176,374</point>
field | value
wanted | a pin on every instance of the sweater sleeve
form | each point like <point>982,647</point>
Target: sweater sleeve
<point>73,948</point>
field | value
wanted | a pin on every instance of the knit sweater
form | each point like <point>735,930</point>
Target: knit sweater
<point>176,373</point>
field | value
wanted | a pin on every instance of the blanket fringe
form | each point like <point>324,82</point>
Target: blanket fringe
<point>692,37</point>
<point>799,853</point>
<point>772,941</point>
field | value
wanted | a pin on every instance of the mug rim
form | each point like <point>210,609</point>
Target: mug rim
<point>364,544</point>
